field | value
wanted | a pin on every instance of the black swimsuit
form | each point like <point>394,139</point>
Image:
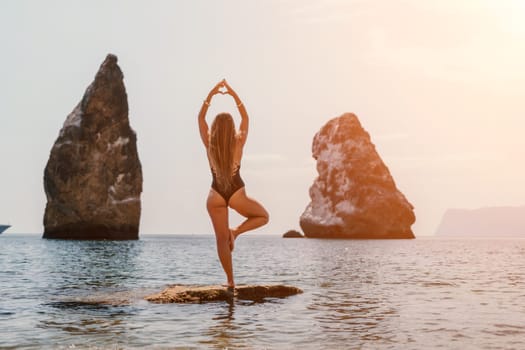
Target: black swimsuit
<point>237,184</point>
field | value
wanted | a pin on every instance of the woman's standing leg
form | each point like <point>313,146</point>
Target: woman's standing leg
<point>218,210</point>
<point>255,214</point>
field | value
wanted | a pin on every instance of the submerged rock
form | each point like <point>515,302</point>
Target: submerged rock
<point>293,234</point>
<point>93,178</point>
<point>202,294</point>
<point>354,195</point>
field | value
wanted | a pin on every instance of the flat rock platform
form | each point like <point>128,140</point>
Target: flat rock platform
<point>204,294</point>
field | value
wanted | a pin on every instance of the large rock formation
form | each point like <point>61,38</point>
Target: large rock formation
<point>354,195</point>
<point>483,222</point>
<point>202,294</point>
<point>93,179</point>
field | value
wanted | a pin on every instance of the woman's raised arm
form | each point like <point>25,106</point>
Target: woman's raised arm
<point>203,125</point>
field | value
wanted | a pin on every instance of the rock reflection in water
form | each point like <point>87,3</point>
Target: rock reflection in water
<point>86,297</point>
<point>88,265</point>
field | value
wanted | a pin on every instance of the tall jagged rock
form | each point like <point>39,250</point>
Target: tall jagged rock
<point>93,179</point>
<point>354,195</point>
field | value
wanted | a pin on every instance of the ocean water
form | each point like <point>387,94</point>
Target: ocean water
<point>393,294</point>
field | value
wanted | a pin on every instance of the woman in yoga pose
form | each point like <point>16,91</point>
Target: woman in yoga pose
<point>224,147</point>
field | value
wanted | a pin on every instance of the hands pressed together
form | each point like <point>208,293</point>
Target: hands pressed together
<point>223,88</point>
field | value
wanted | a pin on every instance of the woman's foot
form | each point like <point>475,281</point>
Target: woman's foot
<point>229,286</point>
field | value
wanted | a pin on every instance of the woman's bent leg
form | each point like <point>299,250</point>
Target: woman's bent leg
<point>255,214</point>
<point>218,210</point>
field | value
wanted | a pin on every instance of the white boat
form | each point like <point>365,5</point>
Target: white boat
<point>3,228</point>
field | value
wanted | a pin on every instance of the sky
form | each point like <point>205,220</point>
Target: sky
<point>437,84</point>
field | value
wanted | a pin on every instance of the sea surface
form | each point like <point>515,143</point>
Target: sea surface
<point>392,294</point>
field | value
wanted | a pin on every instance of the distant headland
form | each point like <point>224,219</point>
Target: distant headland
<point>483,222</point>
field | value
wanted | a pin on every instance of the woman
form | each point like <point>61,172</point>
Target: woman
<point>224,148</point>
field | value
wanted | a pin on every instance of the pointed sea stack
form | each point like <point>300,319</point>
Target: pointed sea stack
<point>354,195</point>
<point>93,178</point>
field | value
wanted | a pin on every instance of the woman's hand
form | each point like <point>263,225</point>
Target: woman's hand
<point>217,89</point>
<point>229,90</point>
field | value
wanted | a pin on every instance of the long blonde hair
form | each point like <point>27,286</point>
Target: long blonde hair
<point>222,148</point>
